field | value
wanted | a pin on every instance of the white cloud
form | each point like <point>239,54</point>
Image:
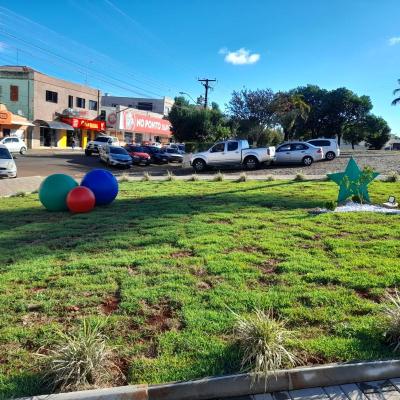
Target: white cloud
<point>394,40</point>
<point>239,57</point>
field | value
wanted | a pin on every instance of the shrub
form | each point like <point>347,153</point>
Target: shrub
<point>243,177</point>
<point>193,178</point>
<point>331,205</point>
<point>392,313</point>
<point>218,177</point>
<point>299,177</point>
<point>270,178</point>
<point>146,177</point>
<point>80,359</point>
<point>393,176</point>
<point>170,176</point>
<point>262,340</point>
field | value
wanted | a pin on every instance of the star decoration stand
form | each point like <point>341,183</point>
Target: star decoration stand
<point>353,182</point>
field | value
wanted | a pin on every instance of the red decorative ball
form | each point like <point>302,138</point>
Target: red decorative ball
<point>80,200</point>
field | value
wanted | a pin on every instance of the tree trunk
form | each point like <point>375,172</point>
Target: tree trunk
<point>286,136</point>
<point>339,137</point>
<point>352,145</point>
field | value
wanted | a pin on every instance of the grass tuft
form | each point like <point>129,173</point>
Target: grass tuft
<point>393,176</point>
<point>146,177</point>
<point>392,313</point>
<point>123,178</point>
<point>270,178</point>
<point>243,177</point>
<point>170,176</point>
<point>263,342</point>
<point>19,194</point>
<point>193,178</point>
<point>80,359</point>
<point>299,177</point>
<point>219,177</point>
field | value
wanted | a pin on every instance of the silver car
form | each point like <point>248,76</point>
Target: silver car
<point>115,155</point>
<point>298,152</point>
<point>7,164</point>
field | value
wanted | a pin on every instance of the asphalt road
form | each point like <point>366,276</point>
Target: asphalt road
<point>45,162</point>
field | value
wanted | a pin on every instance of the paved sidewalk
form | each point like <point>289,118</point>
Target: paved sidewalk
<point>9,187</point>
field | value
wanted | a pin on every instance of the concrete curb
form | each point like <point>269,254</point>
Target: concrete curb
<point>241,385</point>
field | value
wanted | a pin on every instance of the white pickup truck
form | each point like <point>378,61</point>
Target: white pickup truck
<point>230,153</point>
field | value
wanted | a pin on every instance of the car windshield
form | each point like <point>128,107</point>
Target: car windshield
<point>136,149</point>
<point>102,139</point>
<point>118,150</point>
<point>5,154</point>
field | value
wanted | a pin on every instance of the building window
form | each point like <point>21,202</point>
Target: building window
<point>80,103</point>
<point>52,97</point>
<point>70,101</point>
<point>145,106</point>
<point>13,93</point>
<point>6,132</point>
<point>138,137</point>
<point>128,137</point>
<point>93,105</point>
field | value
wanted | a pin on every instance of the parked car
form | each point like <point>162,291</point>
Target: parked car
<point>7,164</point>
<point>139,156</point>
<point>298,152</point>
<point>115,155</point>
<point>230,153</point>
<point>329,147</point>
<point>14,144</point>
<point>177,146</point>
<point>156,155</point>
<point>94,145</point>
<point>173,155</point>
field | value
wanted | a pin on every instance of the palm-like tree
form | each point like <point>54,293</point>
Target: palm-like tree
<point>289,108</point>
<point>395,91</point>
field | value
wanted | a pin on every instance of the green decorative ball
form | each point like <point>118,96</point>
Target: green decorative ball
<point>54,190</point>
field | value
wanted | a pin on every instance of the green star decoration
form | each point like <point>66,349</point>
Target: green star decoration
<point>353,181</point>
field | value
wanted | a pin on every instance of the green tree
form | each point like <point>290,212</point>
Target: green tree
<point>192,123</point>
<point>377,131</point>
<point>355,133</point>
<point>252,111</point>
<point>288,109</point>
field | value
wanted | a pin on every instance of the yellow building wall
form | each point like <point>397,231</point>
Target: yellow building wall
<point>62,139</point>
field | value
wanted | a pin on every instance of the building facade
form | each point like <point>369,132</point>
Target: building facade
<point>59,111</point>
<point>159,106</point>
<point>136,126</point>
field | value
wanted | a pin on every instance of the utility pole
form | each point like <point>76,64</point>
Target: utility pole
<point>206,83</point>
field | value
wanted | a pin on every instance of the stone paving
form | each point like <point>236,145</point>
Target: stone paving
<point>376,390</point>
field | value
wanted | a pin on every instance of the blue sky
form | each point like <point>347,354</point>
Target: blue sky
<point>158,47</point>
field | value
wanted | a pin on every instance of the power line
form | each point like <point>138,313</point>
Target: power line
<point>206,83</point>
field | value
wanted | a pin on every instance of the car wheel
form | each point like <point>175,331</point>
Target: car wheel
<point>88,152</point>
<point>22,150</point>
<point>250,163</point>
<point>307,161</point>
<point>199,165</point>
<point>330,155</point>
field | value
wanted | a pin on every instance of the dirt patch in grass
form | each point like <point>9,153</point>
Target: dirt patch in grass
<point>204,285</point>
<point>270,266</point>
<point>160,317</point>
<point>110,305</point>
<point>181,254</point>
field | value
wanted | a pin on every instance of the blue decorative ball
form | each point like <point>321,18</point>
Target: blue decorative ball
<point>103,184</point>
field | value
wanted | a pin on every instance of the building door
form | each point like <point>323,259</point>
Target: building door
<point>48,137</point>
<point>138,137</point>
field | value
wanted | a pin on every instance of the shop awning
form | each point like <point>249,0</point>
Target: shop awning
<point>54,125</point>
<point>22,123</point>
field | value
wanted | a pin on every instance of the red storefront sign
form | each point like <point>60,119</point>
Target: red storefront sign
<point>135,122</point>
<point>81,123</point>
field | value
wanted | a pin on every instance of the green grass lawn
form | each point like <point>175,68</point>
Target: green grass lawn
<point>166,262</point>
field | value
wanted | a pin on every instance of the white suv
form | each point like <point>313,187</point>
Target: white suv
<point>14,144</point>
<point>94,145</point>
<point>329,146</point>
